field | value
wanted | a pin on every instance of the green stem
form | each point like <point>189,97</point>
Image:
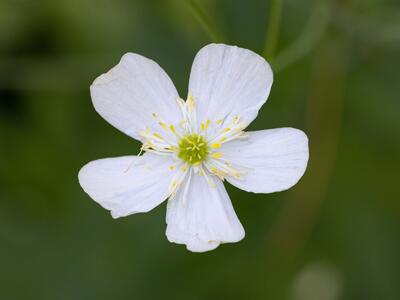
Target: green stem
<point>313,32</point>
<point>271,39</point>
<point>204,21</point>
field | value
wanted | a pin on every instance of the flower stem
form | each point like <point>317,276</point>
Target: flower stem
<point>204,21</point>
<point>271,39</point>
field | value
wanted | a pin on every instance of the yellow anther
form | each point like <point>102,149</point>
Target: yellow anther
<point>204,126</point>
<point>172,128</point>
<point>163,125</point>
<point>216,145</point>
<point>223,139</point>
<point>190,101</point>
<point>239,128</point>
<point>184,168</point>
<point>149,144</point>
<point>237,174</point>
<point>214,170</point>
<point>219,122</point>
<point>227,129</point>
<point>217,172</point>
<point>216,155</point>
<point>171,168</point>
<point>158,136</point>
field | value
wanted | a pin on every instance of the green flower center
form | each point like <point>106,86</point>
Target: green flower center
<point>193,149</point>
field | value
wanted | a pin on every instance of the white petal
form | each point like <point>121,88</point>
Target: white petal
<point>205,219</point>
<point>227,81</point>
<point>128,184</point>
<point>128,95</point>
<point>275,159</point>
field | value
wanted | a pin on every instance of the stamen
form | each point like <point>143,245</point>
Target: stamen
<point>190,101</point>
<point>191,144</point>
<point>176,183</point>
<point>216,155</point>
<point>163,125</point>
<point>224,168</point>
<point>158,136</point>
<point>209,180</point>
<point>186,188</point>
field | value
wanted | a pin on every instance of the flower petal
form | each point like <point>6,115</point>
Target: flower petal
<point>227,81</point>
<point>205,219</point>
<point>128,184</point>
<point>129,94</point>
<point>275,159</point>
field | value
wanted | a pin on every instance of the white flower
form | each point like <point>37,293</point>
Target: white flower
<point>192,146</point>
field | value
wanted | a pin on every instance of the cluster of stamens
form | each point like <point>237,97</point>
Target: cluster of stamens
<point>194,147</point>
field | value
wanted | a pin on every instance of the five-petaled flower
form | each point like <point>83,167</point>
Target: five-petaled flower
<point>192,146</point>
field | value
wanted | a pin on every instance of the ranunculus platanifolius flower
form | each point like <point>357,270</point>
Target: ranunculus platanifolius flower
<point>190,147</point>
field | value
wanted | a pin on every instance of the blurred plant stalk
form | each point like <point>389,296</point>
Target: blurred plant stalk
<point>205,21</point>
<point>313,32</point>
<point>271,40</point>
<point>323,117</point>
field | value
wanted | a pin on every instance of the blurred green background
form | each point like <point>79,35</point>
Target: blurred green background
<point>335,235</point>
